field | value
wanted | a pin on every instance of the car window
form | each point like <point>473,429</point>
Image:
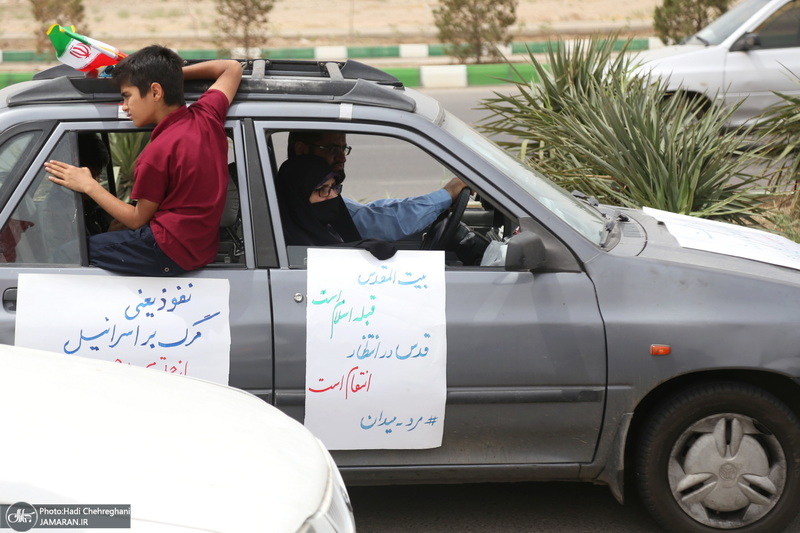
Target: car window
<point>782,29</point>
<point>44,226</point>
<point>586,221</point>
<point>404,170</point>
<point>382,169</point>
<point>730,21</point>
<point>11,153</point>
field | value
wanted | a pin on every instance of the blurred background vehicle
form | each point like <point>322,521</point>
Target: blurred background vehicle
<point>742,58</point>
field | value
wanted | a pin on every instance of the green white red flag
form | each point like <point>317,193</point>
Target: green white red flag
<point>81,52</point>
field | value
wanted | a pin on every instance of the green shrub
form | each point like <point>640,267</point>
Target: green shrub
<point>592,125</point>
<point>471,29</point>
<point>782,123</point>
<point>677,19</point>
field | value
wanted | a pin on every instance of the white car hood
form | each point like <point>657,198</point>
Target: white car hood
<point>669,51</point>
<point>690,57</point>
<point>180,451</point>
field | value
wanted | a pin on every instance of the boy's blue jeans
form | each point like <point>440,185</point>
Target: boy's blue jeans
<point>131,252</point>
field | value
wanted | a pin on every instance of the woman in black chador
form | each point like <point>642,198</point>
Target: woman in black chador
<point>312,210</point>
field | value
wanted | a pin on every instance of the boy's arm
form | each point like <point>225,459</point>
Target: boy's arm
<point>80,179</point>
<point>226,72</point>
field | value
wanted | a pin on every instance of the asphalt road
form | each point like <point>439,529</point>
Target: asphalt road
<point>496,508</point>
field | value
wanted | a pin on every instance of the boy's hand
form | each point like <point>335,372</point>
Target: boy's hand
<point>76,178</point>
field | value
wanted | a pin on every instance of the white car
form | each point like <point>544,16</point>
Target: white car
<point>747,54</point>
<point>186,455</point>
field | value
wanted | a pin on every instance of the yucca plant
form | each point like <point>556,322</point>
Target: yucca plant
<point>125,148</point>
<point>782,122</point>
<point>592,124</point>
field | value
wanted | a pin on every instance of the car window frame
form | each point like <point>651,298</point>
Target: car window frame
<point>780,13</point>
<point>59,132</point>
<point>265,128</point>
<point>42,130</point>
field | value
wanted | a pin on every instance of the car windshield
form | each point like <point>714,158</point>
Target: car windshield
<point>728,22</point>
<point>582,218</point>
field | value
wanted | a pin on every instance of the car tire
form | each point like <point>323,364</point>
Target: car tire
<point>720,456</point>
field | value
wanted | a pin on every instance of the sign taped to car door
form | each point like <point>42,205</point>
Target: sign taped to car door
<point>175,325</point>
<point>376,349</point>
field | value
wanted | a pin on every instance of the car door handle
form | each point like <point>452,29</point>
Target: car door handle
<point>10,299</point>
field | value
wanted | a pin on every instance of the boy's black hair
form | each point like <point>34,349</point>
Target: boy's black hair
<point>153,64</point>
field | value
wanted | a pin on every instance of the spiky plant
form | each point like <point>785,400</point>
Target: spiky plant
<point>593,124</point>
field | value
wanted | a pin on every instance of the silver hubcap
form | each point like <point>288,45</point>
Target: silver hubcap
<point>725,472</point>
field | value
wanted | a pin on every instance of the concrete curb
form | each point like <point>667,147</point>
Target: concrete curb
<point>425,76</point>
<point>406,51</point>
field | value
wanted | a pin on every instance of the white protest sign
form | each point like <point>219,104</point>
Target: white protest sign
<point>174,325</point>
<point>376,349</point>
<point>729,239</point>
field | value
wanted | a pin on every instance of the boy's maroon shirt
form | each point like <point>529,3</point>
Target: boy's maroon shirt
<point>184,169</point>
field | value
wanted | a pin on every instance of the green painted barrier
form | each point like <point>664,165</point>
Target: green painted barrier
<point>408,75</point>
<point>27,56</point>
<point>10,78</point>
<point>493,74</point>
<point>499,73</point>
<point>288,53</point>
<point>373,51</point>
<point>434,50</point>
<point>200,54</point>
<point>437,50</point>
<point>534,47</point>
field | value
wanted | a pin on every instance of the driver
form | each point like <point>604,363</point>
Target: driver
<point>388,219</point>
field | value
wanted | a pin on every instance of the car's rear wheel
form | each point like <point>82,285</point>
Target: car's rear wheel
<point>721,456</point>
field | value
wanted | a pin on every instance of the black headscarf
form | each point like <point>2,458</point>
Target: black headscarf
<point>304,223</point>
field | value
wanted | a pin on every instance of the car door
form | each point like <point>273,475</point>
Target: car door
<point>772,65</point>
<point>526,353</point>
<point>43,231</point>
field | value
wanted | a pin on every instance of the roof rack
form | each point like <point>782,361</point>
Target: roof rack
<point>349,69</point>
<point>264,79</point>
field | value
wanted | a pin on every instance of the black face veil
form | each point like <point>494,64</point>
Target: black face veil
<point>318,224</point>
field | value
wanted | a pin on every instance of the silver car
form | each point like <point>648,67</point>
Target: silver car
<point>743,57</point>
<point>605,348</point>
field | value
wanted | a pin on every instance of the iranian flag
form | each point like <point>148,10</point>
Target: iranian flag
<point>81,52</point>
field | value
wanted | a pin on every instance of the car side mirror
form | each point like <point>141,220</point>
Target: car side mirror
<point>525,252</point>
<point>746,42</point>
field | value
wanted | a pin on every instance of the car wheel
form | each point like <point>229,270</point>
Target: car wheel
<point>719,457</point>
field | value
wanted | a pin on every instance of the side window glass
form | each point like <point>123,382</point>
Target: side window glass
<point>44,226</point>
<point>393,191</point>
<point>231,236</point>
<point>11,153</point>
<point>782,30</point>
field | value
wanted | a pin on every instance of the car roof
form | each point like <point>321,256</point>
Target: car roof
<point>263,80</point>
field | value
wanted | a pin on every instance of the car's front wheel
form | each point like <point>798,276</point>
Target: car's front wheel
<point>721,456</point>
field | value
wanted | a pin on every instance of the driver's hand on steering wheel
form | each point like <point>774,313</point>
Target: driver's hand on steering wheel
<point>454,186</point>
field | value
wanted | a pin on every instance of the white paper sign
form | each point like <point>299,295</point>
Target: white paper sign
<point>174,325</point>
<point>729,239</point>
<point>376,349</point>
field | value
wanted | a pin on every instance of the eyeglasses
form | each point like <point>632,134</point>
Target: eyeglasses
<point>325,190</point>
<point>335,149</point>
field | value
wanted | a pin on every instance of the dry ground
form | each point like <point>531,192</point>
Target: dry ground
<point>301,23</point>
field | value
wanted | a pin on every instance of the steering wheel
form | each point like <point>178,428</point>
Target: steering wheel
<point>440,234</point>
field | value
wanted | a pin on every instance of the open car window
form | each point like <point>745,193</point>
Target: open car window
<point>407,173</point>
